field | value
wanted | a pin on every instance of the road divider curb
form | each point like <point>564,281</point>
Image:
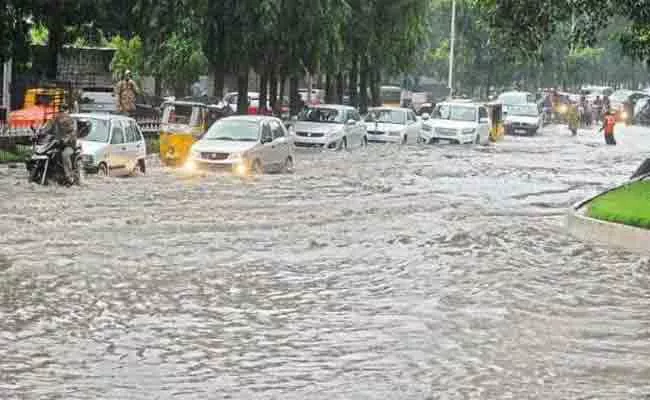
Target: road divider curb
<point>607,233</point>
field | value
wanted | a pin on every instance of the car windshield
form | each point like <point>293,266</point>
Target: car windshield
<point>98,130</point>
<point>327,115</point>
<point>525,111</point>
<point>386,116</point>
<point>512,98</point>
<point>455,112</point>
<point>234,129</point>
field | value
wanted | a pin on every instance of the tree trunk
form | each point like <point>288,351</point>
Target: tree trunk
<point>219,79</point>
<point>273,91</point>
<point>264,91</point>
<point>375,80</point>
<point>242,90</point>
<point>340,87</point>
<point>294,96</point>
<point>329,89</point>
<point>353,85</point>
<point>56,32</point>
<point>363,85</point>
<point>157,88</point>
<point>283,88</point>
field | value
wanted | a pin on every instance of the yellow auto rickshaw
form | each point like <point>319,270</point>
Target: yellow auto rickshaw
<point>182,124</point>
<point>495,114</point>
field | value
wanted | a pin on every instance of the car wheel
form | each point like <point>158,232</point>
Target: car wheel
<point>435,141</point>
<point>257,168</point>
<point>343,144</point>
<point>142,166</point>
<point>102,170</point>
<point>288,165</point>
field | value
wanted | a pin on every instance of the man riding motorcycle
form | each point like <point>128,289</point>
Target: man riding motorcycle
<point>62,127</point>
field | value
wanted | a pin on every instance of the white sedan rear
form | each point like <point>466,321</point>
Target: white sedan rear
<point>392,125</point>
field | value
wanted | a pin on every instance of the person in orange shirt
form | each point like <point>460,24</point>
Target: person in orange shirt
<point>608,127</point>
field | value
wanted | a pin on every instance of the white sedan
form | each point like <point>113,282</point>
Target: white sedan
<point>394,125</point>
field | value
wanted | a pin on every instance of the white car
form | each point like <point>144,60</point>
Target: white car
<point>516,97</point>
<point>524,119</point>
<point>394,125</point>
<point>329,126</point>
<point>244,144</point>
<point>113,146</point>
<point>456,122</point>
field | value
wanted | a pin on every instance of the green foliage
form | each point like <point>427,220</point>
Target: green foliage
<point>38,34</point>
<point>129,55</point>
<point>181,61</point>
<point>627,205</point>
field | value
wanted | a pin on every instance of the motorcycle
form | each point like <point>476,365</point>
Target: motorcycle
<point>45,165</point>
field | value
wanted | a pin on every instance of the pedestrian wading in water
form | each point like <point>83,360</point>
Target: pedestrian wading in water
<point>608,128</point>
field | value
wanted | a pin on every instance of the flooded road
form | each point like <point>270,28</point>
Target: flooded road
<point>387,273</point>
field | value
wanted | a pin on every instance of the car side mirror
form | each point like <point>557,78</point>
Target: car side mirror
<point>266,139</point>
<point>351,122</point>
<point>426,117</point>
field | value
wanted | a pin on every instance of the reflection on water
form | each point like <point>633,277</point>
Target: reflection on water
<point>389,273</point>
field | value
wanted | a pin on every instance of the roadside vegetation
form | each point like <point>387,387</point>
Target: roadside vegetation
<point>352,45</point>
<point>629,205</point>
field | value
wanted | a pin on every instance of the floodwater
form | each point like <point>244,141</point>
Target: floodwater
<point>387,273</point>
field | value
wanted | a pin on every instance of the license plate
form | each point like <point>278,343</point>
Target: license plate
<point>520,131</point>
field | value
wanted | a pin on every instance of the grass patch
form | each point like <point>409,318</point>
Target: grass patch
<point>153,145</point>
<point>629,205</point>
<point>15,154</point>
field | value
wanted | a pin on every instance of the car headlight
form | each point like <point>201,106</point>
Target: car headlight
<point>469,130</point>
<point>624,115</point>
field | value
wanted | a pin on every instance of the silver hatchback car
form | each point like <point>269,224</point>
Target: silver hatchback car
<point>113,146</point>
<point>244,144</point>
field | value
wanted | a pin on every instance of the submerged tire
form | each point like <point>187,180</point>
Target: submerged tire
<point>287,168</point>
<point>102,170</point>
<point>343,144</point>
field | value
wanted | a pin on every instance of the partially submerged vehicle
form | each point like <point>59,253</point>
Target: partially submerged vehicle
<point>182,124</point>
<point>244,145</point>
<point>392,125</point>
<point>456,122</point>
<point>524,119</point>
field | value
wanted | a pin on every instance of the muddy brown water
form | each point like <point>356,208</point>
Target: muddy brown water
<point>387,273</point>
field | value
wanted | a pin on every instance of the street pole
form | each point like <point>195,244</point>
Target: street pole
<point>451,48</point>
<point>6,86</point>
